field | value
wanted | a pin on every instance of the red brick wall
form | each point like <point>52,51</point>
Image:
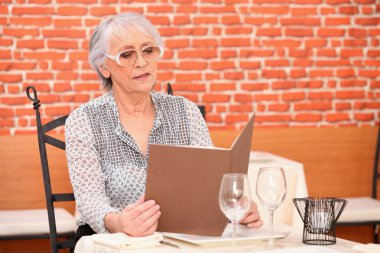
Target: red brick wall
<point>294,62</point>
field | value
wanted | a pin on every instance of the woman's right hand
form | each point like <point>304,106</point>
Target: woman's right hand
<point>137,219</point>
<point>140,218</point>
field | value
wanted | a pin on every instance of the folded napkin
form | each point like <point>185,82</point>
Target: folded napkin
<point>367,248</point>
<point>116,241</point>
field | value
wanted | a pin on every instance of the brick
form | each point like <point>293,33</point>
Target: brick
<point>66,33</point>
<point>367,21</point>
<point>6,112</point>
<point>297,73</point>
<point>7,122</point>
<point>364,116</point>
<point>259,21</point>
<point>344,73</point>
<point>102,11</point>
<point>228,53</point>
<point>283,85</point>
<point>247,53</point>
<point>303,11</point>
<point>67,22</point>
<point>205,43</point>
<point>334,117</point>
<point>5,54</point>
<point>236,118</point>
<point>39,76</point>
<point>236,42</point>
<point>191,87</point>
<point>266,97</point>
<point>57,110</point>
<point>375,84</point>
<point>71,10</point>
<point>243,98</point>
<point>307,117</point>
<point>373,53</point>
<point>24,112</point>
<point>249,64</point>
<point>299,32</point>
<point>160,8</point>
<point>188,77</point>
<point>6,42</point>
<point>300,21</point>
<point>241,108</point>
<point>14,100</point>
<point>196,31</point>
<point>349,94</point>
<point>266,73</point>
<point>201,53</point>
<point>332,63</point>
<point>23,65</point>
<point>192,65</point>
<point>187,8</point>
<point>62,87</point>
<point>273,118</point>
<point>348,10</point>
<point>313,106</point>
<point>337,21</point>
<point>346,53</point>
<point>270,10</point>
<point>321,73</point>
<point>278,107</point>
<point>337,2</point>
<point>218,9</point>
<point>10,78</point>
<point>159,20</point>
<point>356,32</point>
<point>342,106</point>
<point>40,87</point>
<point>313,84</point>
<point>330,32</point>
<point>293,96</point>
<point>276,63</point>
<point>62,44</point>
<point>177,43</point>
<point>281,43</point>
<point>67,76</point>
<point>32,10</point>
<point>64,65</point>
<point>31,21</point>
<point>233,75</point>
<point>268,32</point>
<point>215,98</point>
<point>212,76</point>
<point>369,73</point>
<point>222,86</point>
<point>181,20</point>
<point>238,30</point>
<point>78,55</point>
<point>231,20</point>
<point>13,89</point>
<point>31,44</point>
<point>221,65</point>
<point>167,65</point>
<point>315,43</point>
<point>78,98</point>
<point>355,43</point>
<point>20,32</point>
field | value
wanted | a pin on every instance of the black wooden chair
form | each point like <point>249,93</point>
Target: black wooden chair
<point>57,241</point>
<point>361,211</point>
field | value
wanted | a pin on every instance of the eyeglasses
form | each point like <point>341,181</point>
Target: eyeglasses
<point>128,57</point>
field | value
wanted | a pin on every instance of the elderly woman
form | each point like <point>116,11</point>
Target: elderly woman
<point>107,139</point>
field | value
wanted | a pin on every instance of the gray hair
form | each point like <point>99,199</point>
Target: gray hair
<point>116,27</point>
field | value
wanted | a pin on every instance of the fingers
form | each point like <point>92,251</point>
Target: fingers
<point>252,219</point>
<point>139,207</point>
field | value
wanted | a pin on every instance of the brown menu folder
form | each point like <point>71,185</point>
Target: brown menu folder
<point>185,182</point>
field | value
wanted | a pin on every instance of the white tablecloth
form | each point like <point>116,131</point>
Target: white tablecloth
<point>296,186</point>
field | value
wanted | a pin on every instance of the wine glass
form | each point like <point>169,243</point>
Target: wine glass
<point>271,191</point>
<point>234,198</point>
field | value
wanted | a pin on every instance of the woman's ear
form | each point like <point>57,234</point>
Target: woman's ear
<point>105,72</point>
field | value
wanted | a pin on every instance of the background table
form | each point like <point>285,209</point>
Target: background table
<point>296,186</point>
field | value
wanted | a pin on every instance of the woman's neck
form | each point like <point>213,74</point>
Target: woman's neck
<point>134,104</point>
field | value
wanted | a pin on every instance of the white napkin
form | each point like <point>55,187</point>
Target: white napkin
<point>114,242</point>
<point>367,248</point>
<point>123,241</point>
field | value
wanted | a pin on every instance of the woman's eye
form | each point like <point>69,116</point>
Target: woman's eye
<point>148,50</point>
<point>126,54</point>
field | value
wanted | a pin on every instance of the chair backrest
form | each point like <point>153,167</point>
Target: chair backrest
<point>51,198</point>
<point>376,173</point>
<point>202,108</point>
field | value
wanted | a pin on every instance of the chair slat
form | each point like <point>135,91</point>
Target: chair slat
<point>54,142</point>
<point>54,123</point>
<point>63,197</point>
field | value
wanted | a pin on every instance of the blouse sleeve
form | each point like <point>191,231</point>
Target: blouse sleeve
<point>85,171</point>
<point>199,134</point>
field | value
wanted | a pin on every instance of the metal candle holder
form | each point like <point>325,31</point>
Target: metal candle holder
<point>319,216</point>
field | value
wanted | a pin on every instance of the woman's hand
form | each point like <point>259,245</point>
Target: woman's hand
<point>137,219</point>
<point>252,218</point>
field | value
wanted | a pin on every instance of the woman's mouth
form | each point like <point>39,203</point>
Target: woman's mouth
<point>142,76</point>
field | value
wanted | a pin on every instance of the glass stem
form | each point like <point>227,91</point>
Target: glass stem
<point>234,235</point>
<point>271,240</point>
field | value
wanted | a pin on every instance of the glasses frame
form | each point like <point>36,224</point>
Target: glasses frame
<point>116,58</point>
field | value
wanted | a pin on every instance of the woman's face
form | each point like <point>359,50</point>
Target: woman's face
<point>139,77</point>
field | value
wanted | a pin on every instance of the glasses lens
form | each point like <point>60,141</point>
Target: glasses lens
<point>127,58</point>
<point>151,54</point>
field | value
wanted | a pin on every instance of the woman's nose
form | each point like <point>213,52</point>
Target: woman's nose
<point>140,61</point>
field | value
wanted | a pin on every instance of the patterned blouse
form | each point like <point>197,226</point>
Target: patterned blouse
<point>106,167</point>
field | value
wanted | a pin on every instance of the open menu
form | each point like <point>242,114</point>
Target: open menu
<point>185,180</point>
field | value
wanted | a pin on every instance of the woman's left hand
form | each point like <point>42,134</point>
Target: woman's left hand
<point>252,218</point>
